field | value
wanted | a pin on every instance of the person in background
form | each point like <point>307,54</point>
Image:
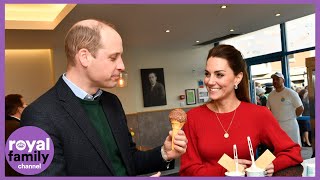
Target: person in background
<point>286,106</point>
<point>260,93</point>
<point>257,85</point>
<point>229,118</point>
<point>269,88</point>
<point>156,94</point>
<point>298,89</point>
<point>14,106</point>
<point>304,124</point>
<point>294,87</point>
<point>262,98</point>
<point>87,125</point>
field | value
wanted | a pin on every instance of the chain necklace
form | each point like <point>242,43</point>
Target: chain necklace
<point>226,134</point>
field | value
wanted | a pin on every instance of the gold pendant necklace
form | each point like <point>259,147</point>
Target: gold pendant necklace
<point>226,134</point>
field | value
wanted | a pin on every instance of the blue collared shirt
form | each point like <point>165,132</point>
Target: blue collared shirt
<point>80,93</point>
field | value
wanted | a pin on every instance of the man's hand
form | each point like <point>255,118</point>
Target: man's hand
<point>156,175</point>
<point>180,145</point>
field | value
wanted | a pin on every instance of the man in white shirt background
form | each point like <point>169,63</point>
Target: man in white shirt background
<point>286,106</point>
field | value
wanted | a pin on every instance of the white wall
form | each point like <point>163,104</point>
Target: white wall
<point>28,72</point>
<point>178,68</point>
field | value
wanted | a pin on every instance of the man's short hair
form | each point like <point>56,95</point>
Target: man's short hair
<point>12,103</point>
<point>153,73</point>
<point>88,37</point>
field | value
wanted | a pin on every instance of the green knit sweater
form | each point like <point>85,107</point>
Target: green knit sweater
<point>99,121</point>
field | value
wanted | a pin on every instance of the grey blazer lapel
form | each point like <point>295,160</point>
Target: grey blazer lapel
<point>73,107</point>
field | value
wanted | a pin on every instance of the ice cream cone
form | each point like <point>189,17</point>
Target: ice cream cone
<point>177,119</point>
<point>176,126</point>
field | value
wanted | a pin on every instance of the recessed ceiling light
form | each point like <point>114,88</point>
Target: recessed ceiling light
<point>278,14</point>
<point>197,41</point>
<point>231,30</point>
<point>167,30</point>
<point>223,7</point>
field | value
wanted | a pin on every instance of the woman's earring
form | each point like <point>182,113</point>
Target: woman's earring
<point>236,86</point>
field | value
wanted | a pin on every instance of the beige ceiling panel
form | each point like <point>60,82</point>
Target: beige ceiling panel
<point>35,16</point>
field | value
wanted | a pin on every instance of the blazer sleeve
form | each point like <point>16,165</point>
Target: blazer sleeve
<point>144,161</point>
<point>32,117</point>
<point>191,163</point>
<point>287,152</point>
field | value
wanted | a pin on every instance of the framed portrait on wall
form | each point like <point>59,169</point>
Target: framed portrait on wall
<point>153,87</point>
<point>190,96</point>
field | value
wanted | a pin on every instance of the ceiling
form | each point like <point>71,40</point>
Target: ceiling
<point>35,16</point>
<point>143,26</point>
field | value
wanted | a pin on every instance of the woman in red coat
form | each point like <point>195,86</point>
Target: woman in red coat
<point>229,118</point>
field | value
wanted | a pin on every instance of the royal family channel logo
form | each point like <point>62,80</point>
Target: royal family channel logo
<point>29,150</point>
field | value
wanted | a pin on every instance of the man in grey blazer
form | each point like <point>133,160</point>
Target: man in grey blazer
<point>88,125</point>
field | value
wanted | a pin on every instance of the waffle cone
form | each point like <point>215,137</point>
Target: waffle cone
<point>176,126</point>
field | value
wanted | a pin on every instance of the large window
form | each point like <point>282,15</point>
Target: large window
<point>261,73</point>
<point>266,52</point>
<point>301,33</point>
<point>298,70</point>
<point>257,43</point>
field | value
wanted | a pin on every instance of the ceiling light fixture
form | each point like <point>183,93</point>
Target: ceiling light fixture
<point>278,14</point>
<point>123,80</point>
<point>231,30</point>
<point>26,16</point>
<point>197,41</point>
<point>223,7</point>
<point>167,30</point>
